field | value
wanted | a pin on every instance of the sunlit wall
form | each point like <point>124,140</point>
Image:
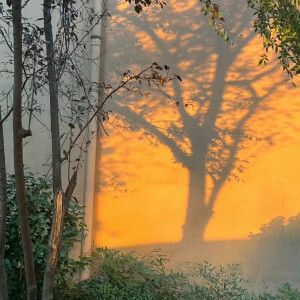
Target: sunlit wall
<point>202,162</point>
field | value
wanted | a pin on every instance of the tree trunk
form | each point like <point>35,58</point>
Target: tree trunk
<point>198,214</point>
<point>61,204</point>
<point>58,213</point>
<point>3,285</point>
<point>19,133</point>
<point>53,91</point>
<point>53,247</point>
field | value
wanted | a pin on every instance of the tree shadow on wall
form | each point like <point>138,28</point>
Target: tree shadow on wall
<point>209,127</point>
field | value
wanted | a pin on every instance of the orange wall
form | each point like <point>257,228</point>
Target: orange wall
<point>142,189</point>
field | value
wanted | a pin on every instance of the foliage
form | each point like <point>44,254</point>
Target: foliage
<point>120,276</point>
<point>38,193</point>
<point>217,21</point>
<point>218,283</point>
<point>127,276</point>
<point>278,22</point>
<point>140,3</point>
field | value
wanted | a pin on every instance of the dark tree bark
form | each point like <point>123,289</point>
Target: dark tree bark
<point>61,200</point>
<point>19,133</point>
<point>53,90</point>
<point>57,220</point>
<point>3,284</point>
<point>61,203</point>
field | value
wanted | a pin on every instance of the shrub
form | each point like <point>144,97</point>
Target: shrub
<point>38,194</point>
<point>217,282</point>
<point>126,276</point>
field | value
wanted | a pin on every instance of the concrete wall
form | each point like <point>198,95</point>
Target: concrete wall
<point>197,178</point>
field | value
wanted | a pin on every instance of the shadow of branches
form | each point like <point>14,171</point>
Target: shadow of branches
<point>207,121</point>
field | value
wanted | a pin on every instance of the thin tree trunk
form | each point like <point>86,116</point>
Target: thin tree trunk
<point>19,133</point>
<point>3,285</point>
<point>61,204</point>
<point>53,247</point>
<point>53,90</point>
<point>59,197</point>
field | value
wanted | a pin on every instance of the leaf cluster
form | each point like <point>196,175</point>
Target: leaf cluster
<point>278,22</point>
<point>39,197</point>
<point>219,282</point>
<point>217,21</point>
<point>139,4</point>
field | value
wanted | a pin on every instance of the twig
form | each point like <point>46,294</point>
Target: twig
<point>6,116</point>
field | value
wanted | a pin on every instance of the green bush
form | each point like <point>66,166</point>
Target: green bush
<point>38,194</point>
<point>126,276</point>
<point>216,282</point>
<point>120,276</point>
